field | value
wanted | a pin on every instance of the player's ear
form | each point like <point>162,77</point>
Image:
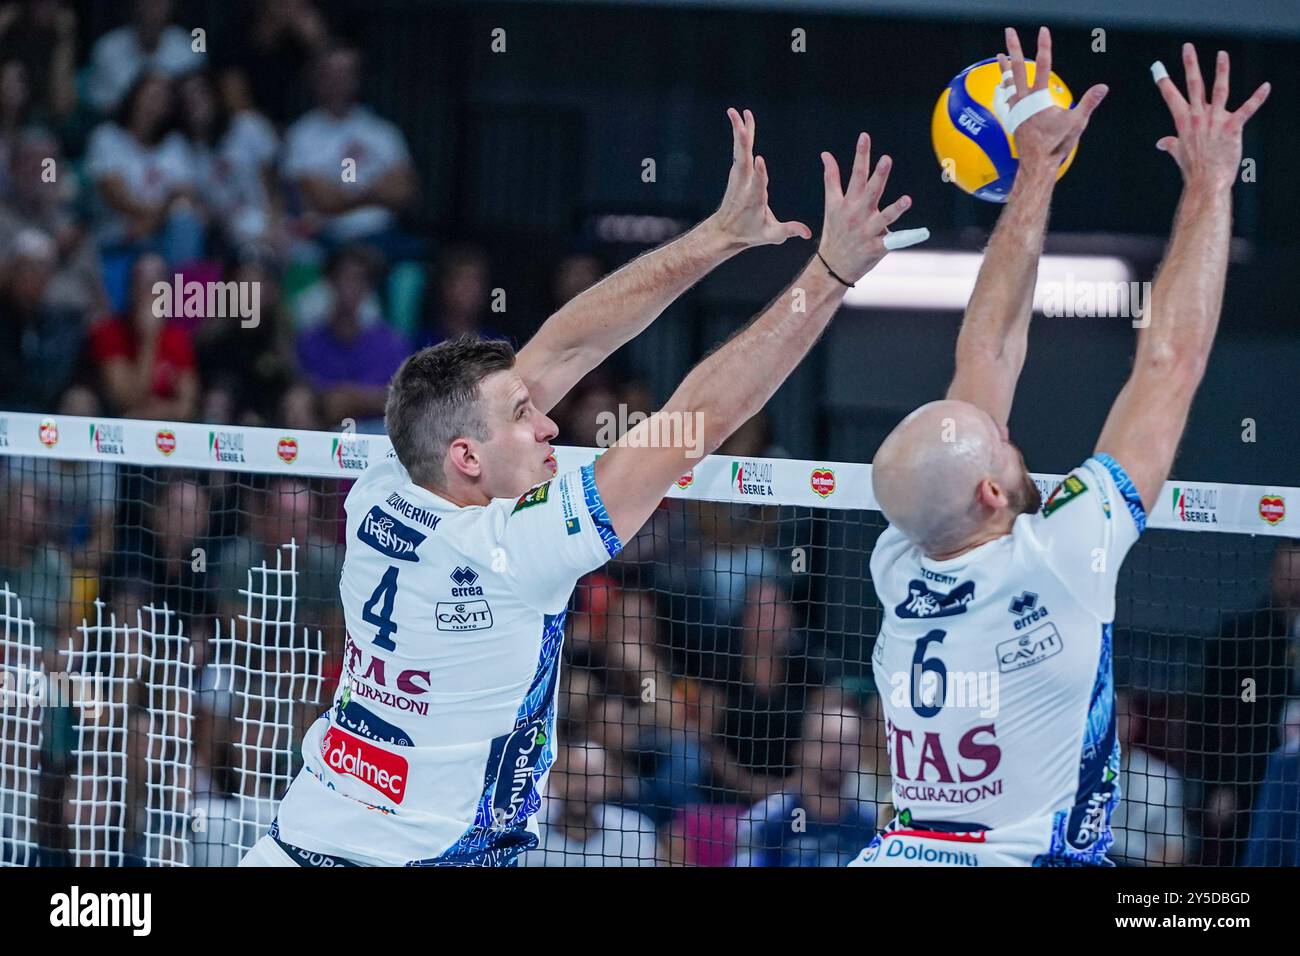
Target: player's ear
<point>990,494</point>
<point>464,458</point>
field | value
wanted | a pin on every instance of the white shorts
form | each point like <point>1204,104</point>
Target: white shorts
<point>908,847</point>
<point>266,852</point>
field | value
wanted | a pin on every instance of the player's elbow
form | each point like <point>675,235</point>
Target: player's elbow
<point>1173,364</point>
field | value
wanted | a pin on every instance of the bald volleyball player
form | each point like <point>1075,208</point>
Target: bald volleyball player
<point>994,658</point>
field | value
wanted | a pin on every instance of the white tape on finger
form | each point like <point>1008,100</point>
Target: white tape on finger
<point>1035,102</point>
<point>1158,71</point>
<point>905,237</point>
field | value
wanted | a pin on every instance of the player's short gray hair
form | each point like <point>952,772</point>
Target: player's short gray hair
<point>434,399</point>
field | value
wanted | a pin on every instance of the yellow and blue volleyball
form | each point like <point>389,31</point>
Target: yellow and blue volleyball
<point>973,149</point>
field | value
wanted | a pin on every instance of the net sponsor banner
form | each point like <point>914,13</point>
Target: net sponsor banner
<point>1183,505</point>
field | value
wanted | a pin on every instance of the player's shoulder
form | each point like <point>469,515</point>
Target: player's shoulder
<point>1098,489</point>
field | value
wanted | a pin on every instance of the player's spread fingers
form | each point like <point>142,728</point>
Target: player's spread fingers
<point>751,128</point>
<point>1195,85</point>
<point>1043,63</point>
<point>1017,62</point>
<point>737,135</point>
<point>891,213</point>
<point>1091,100</point>
<point>876,184</point>
<point>1247,109</point>
<point>1219,96</point>
<point>861,164</point>
<point>831,180</point>
<point>1169,91</point>
<point>794,230</point>
<point>760,169</point>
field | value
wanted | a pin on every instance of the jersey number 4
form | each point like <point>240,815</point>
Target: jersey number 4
<point>384,619</point>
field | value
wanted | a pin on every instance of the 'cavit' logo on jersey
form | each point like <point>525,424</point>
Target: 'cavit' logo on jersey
<point>465,578</point>
<point>464,616</point>
<point>226,447</point>
<point>352,716</point>
<point>107,439</point>
<point>389,536</point>
<point>1196,505</point>
<point>1032,648</point>
<point>922,602</point>
<point>752,479</point>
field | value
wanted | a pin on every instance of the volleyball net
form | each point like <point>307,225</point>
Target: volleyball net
<point>168,594</point>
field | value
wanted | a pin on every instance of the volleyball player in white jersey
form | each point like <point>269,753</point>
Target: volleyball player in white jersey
<point>994,659</point>
<point>463,549</point>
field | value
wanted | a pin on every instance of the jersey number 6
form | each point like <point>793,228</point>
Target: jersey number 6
<point>384,619</point>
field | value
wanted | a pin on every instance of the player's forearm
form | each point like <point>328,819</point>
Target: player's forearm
<point>594,324</point>
<point>1188,293</point>
<point>730,386</point>
<point>998,313</point>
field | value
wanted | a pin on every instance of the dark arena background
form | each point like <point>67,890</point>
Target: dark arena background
<point>171,523</point>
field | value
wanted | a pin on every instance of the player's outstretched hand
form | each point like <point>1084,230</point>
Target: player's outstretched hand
<point>744,216</point>
<point>1208,146</point>
<point>855,230</point>
<point>1048,133</point>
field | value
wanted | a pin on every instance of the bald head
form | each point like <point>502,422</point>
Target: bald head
<point>946,475</point>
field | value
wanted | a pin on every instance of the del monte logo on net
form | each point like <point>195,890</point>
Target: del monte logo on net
<point>107,439</point>
<point>49,432</point>
<point>287,449</point>
<point>226,447</point>
<point>351,453</point>
<point>165,441</point>
<point>823,481</point>
<point>1272,508</point>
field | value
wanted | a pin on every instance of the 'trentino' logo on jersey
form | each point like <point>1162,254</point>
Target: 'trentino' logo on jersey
<point>465,578</point>
<point>389,536</point>
<point>923,602</point>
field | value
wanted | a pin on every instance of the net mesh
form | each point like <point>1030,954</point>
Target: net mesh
<point>169,634</point>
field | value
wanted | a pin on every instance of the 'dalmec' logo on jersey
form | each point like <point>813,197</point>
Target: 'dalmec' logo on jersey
<point>389,536</point>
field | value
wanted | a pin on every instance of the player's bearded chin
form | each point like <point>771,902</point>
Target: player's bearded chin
<point>1026,499</point>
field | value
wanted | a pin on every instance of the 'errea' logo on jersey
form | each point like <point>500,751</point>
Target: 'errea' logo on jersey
<point>1027,609</point>
<point>389,536</point>
<point>923,602</point>
<point>465,578</point>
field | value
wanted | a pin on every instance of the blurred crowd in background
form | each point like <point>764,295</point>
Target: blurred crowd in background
<point>703,722</point>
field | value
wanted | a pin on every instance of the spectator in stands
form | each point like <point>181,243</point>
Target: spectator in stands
<point>1249,672</point>
<point>144,178</point>
<point>40,342</point>
<point>41,35</point>
<point>348,363</point>
<point>575,273</point>
<point>811,821</point>
<point>232,159</point>
<point>873,783</point>
<point>352,169</point>
<point>1275,824</point>
<point>1150,823</point>
<point>82,497</point>
<point>246,372</point>
<point>15,115</point>
<point>578,824</point>
<point>146,363</point>
<point>150,42</point>
<point>459,305</point>
<point>40,199</point>
<point>767,684</point>
<point>286,512</point>
<point>35,571</point>
<point>278,44</point>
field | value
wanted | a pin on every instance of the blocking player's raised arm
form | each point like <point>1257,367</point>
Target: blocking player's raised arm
<point>733,383</point>
<point>590,328</point>
<point>995,329</point>
<point>1147,420</point>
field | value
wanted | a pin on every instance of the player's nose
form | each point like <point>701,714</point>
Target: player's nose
<point>546,428</point>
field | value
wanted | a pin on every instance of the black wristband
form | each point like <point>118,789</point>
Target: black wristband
<point>832,271</point>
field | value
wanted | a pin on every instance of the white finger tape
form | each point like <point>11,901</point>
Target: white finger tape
<point>1158,71</point>
<point>1035,102</point>
<point>905,237</point>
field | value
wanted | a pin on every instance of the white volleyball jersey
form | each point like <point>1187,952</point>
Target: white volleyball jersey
<point>994,672</point>
<point>436,748</point>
